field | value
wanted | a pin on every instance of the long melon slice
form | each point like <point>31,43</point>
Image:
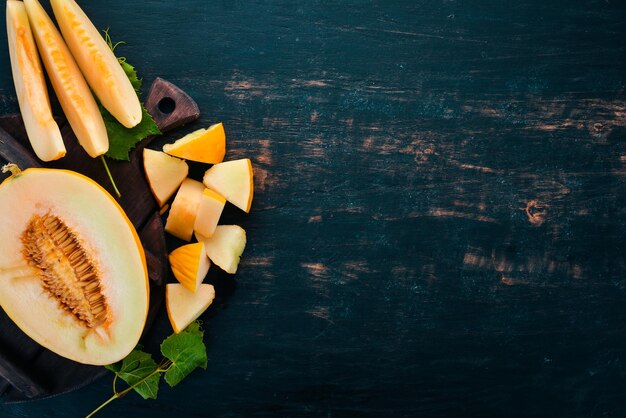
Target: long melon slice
<point>98,63</point>
<point>70,86</point>
<point>32,95</point>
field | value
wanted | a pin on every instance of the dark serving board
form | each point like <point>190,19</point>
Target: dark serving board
<point>27,370</point>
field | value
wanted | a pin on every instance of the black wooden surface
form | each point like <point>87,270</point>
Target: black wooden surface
<point>27,370</point>
<point>438,225</point>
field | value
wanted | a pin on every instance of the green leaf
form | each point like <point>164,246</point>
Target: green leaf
<point>194,328</point>
<point>135,367</point>
<point>122,139</point>
<point>186,351</point>
<point>131,73</point>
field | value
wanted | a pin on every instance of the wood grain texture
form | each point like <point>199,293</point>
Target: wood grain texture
<point>438,226</point>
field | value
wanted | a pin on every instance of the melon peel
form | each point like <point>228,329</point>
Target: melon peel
<point>204,145</point>
<point>75,283</point>
<point>190,265</point>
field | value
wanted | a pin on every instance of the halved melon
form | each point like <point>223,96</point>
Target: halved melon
<point>73,274</point>
<point>98,63</point>
<point>209,212</point>
<point>190,264</point>
<point>70,86</point>
<point>184,209</point>
<point>233,180</point>
<point>225,247</point>
<point>204,145</point>
<point>184,306</point>
<point>32,95</point>
<point>164,173</point>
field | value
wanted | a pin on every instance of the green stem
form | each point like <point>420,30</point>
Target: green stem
<point>108,401</point>
<point>117,395</point>
<point>106,167</point>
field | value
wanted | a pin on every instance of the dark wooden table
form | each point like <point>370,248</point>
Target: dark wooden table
<point>439,219</point>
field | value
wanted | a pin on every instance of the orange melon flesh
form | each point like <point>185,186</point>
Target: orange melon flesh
<point>225,247</point>
<point>204,145</point>
<point>184,306</point>
<point>30,86</point>
<point>70,86</point>
<point>98,63</point>
<point>190,265</point>
<point>110,243</point>
<point>164,174</point>
<point>234,181</point>
<point>209,213</point>
<point>184,209</point>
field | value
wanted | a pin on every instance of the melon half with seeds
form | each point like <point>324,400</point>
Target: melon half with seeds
<point>73,274</point>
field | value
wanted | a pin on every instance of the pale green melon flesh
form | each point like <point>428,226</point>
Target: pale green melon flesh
<point>105,233</point>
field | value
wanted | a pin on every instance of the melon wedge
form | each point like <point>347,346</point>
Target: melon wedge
<point>76,99</point>
<point>185,306</point>
<point>75,283</point>
<point>190,265</point>
<point>184,209</point>
<point>209,212</point>
<point>204,145</point>
<point>32,95</point>
<point>164,174</point>
<point>98,63</point>
<point>225,247</point>
<point>234,181</point>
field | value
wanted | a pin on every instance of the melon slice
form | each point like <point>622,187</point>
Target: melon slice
<point>209,212</point>
<point>184,306</point>
<point>190,265</point>
<point>98,63</point>
<point>233,180</point>
<point>70,86</point>
<point>75,283</point>
<point>32,95</point>
<point>184,209</point>
<point>225,247</point>
<point>164,174</point>
<point>204,145</point>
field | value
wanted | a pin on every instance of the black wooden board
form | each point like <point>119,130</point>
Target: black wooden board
<point>438,225</point>
<point>27,370</point>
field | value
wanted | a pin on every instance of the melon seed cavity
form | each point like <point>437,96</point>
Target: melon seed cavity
<point>65,268</point>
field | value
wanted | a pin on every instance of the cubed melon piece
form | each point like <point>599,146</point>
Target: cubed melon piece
<point>204,145</point>
<point>225,247</point>
<point>182,216</point>
<point>185,306</point>
<point>190,264</point>
<point>209,212</point>
<point>164,174</point>
<point>233,180</point>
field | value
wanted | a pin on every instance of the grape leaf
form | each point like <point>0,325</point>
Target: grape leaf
<point>194,328</point>
<point>135,367</point>
<point>122,139</point>
<point>186,351</point>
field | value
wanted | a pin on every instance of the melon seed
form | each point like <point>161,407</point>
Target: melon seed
<point>65,268</point>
